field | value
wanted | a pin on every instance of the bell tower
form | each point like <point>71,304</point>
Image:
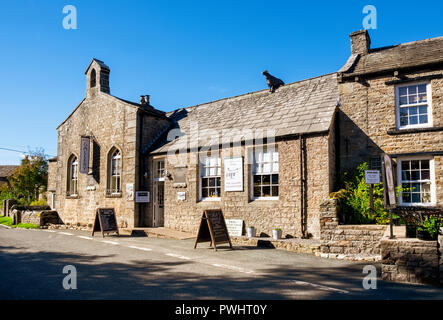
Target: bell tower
<point>97,78</point>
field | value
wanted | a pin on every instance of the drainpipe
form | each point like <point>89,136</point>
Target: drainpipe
<point>302,211</point>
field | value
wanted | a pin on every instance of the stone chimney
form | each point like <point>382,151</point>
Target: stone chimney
<point>147,99</point>
<point>360,42</point>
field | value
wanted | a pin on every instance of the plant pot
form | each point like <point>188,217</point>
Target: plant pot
<point>276,234</point>
<point>251,232</point>
<point>423,235</point>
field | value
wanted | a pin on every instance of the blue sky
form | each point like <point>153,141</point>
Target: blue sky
<point>182,53</point>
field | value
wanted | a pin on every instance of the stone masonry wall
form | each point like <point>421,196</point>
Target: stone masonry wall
<point>112,124</point>
<point>265,215</point>
<point>410,260</point>
<point>352,242</point>
<point>368,111</point>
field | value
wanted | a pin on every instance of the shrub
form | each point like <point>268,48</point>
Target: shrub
<point>353,199</point>
<point>432,226</point>
<point>41,202</point>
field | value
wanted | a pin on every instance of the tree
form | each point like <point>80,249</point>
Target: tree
<point>30,177</point>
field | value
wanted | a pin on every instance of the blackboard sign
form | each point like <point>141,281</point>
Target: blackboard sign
<point>105,221</point>
<point>213,229</point>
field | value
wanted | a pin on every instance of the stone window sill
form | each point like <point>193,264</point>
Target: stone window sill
<point>72,196</point>
<point>113,195</point>
<point>395,131</point>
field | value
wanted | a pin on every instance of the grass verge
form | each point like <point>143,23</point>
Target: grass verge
<point>7,221</point>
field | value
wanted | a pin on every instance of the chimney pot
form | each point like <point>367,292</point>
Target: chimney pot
<point>142,100</point>
<point>147,99</point>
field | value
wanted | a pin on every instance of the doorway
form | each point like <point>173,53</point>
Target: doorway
<point>158,197</point>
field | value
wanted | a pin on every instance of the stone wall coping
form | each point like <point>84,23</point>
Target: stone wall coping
<point>362,226</point>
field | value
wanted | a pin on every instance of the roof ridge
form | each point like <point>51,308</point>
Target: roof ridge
<point>288,85</point>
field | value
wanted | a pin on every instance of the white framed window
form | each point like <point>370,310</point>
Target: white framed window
<point>114,172</point>
<point>210,177</point>
<point>414,106</point>
<point>72,176</point>
<point>417,181</point>
<point>264,172</point>
<point>159,170</point>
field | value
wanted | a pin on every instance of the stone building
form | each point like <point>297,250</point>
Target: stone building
<point>5,172</point>
<point>392,102</point>
<point>267,158</point>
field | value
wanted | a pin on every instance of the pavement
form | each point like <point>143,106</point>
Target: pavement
<point>125,267</point>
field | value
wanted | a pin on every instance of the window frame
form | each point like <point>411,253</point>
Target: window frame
<point>109,190</point>
<point>251,175</point>
<point>431,179</point>
<point>428,103</point>
<point>200,177</point>
<point>69,192</point>
<point>154,169</point>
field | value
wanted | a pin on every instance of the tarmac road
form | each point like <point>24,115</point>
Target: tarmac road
<point>32,262</point>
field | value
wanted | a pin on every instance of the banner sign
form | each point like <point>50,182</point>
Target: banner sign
<point>233,174</point>
<point>84,155</point>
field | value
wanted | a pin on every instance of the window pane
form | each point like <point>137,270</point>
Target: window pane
<point>204,182</point>
<point>275,169</point>
<point>412,90</point>
<point>422,98</point>
<point>204,192</point>
<point>257,191</point>
<point>424,164</point>
<point>402,91</point>
<point>404,121</point>
<point>403,100</point>
<point>266,191</point>
<point>257,180</point>
<point>415,175</point>
<point>275,191</point>
<point>266,167</point>
<point>415,164</point>
<point>413,120</point>
<point>405,165</point>
<point>266,179</point>
<point>413,110</point>
<point>406,175</point>
<point>403,112</point>
<point>415,197</point>
<point>218,182</point>
<point>423,119</point>
<point>422,88</point>
<point>212,182</point>
<point>275,179</point>
<point>406,197</point>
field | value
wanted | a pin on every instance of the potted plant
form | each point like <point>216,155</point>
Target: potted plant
<point>251,232</point>
<point>276,233</point>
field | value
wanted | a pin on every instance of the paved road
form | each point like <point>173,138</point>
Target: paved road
<point>31,264</point>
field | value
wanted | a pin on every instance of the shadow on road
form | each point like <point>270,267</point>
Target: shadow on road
<point>38,275</point>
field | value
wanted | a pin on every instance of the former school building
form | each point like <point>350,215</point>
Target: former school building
<point>267,158</point>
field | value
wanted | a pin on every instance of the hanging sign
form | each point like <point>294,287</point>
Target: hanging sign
<point>390,187</point>
<point>84,155</point>
<point>233,174</point>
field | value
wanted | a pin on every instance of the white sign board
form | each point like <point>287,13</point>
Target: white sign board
<point>142,196</point>
<point>181,195</point>
<point>233,174</point>
<point>372,176</point>
<point>235,227</point>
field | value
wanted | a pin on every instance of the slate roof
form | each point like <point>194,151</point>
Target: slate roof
<point>7,170</point>
<point>305,106</point>
<point>406,55</point>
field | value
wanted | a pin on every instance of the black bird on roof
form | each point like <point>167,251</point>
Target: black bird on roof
<point>273,82</point>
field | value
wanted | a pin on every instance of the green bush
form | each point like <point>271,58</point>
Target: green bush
<point>432,226</point>
<point>353,199</point>
<point>41,202</point>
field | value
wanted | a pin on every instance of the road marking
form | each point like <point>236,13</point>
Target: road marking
<point>232,268</point>
<point>66,233</point>
<point>87,238</point>
<point>178,256</point>
<point>140,248</point>
<point>110,242</point>
<point>319,286</point>
<point>48,230</point>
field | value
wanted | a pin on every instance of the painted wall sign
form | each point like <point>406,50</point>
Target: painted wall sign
<point>142,196</point>
<point>372,176</point>
<point>233,174</point>
<point>84,155</point>
<point>181,195</point>
<point>235,227</point>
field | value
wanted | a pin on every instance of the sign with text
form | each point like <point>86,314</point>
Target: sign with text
<point>142,196</point>
<point>233,174</point>
<point>181,195</point>
<point>213,229</point>
<point>105,221</point>
<point>235,227</point>
<point>84,155</point>
<point>372,176</point>
<point>390,187</point>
